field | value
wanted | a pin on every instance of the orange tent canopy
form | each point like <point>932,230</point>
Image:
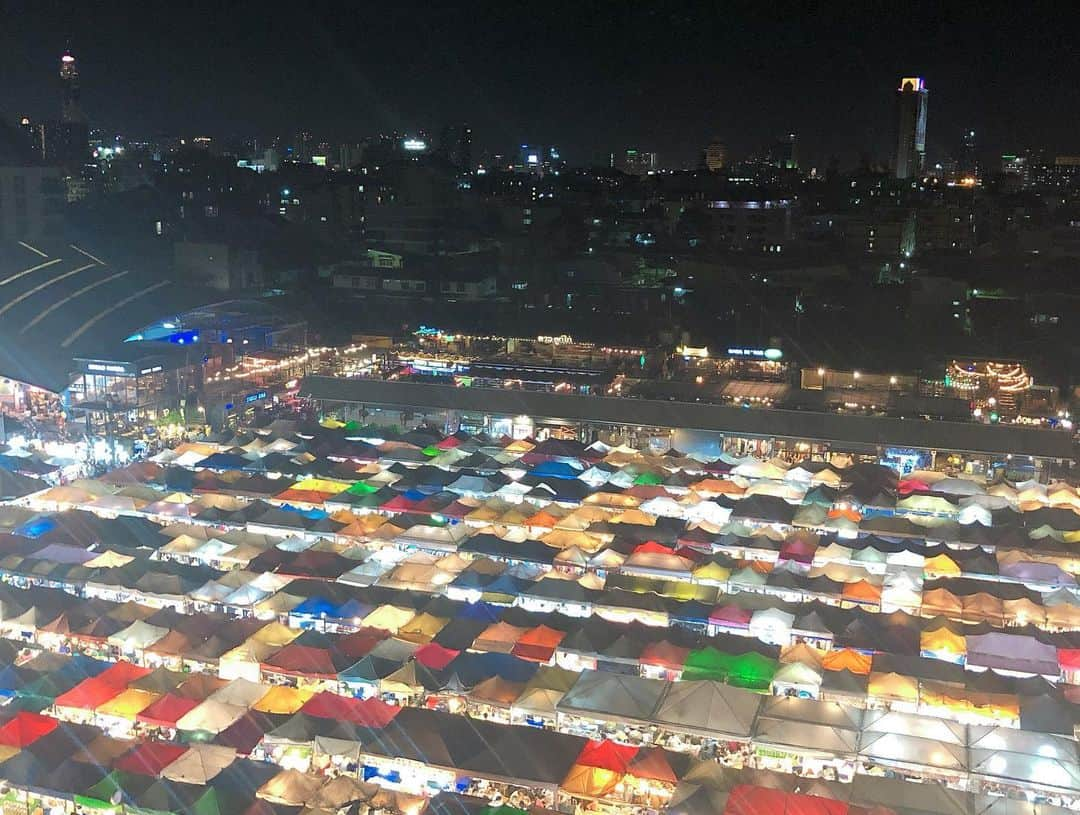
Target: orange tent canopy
<point>862,591</point>
<point>847,659</point>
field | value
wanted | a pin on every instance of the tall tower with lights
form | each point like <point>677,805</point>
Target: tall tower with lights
<point>70,110</point>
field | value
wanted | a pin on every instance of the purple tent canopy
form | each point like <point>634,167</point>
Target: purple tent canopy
<point>1012,652</point>
<point>61,553</point>
<point>1028,571</point>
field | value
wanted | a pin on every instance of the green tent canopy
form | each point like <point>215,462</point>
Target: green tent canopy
<point>362,488</point>
<point>707,663</point>
<point>101,794</point>
<point>752,671</point>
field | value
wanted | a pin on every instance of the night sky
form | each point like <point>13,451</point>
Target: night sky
<point>589,77</point>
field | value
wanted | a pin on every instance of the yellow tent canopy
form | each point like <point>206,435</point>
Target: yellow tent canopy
<point>712,572</point>
<point>109,560</point>
<point>389,618</point>
<point>274,634</point>
<point>943,641</point>
<point>893,687</point>
<point>321,485</point>
<point>997,706</point>
<point>282,699</point>
<point>941,564</point>
<point>422,628</point>
<point>590,782</point>
<point>128,704</point>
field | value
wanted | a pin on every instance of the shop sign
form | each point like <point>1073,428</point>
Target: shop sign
<point>771,354</point>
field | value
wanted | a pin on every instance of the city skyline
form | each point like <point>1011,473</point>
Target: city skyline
<point>590,83</point>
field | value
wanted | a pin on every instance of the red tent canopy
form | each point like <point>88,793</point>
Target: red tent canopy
<point>910,485</point>
<point>538,644</point>
<point>357,644</point>
<point>652,547</point>
<point>664,654</point>
<point>798,550</point>
<point>747,800</point>
<point>326,705</point>
<point>458,509</point>
<point>26,728</point>
<point>122,674</point>
<point>1069,658</point>
<point>166,711</point>
<point>730,615</point>
<point>366,712</point>
<point>302,659</point>
<point>149,758</point>
<point>607,755</point>
<point>245,733</point>
<point>399,503</point>
<point>434,656</point>
<point>691,554</point>
<point>89,694</point>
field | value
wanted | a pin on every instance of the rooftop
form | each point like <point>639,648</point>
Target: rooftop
<point>858,431</point>
<point>59,301</point>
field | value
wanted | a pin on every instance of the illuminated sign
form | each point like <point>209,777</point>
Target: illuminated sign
<point>101,367</point>
<point>153,370</point>
<point>562,339</point>
<point>771,354</point>
<point>691,351</point>
<point>254,397</point>
<point>414,145</point>
<point>436,366</point>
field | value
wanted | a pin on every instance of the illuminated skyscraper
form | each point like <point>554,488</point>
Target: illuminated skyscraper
<point>715,157</point>
<point>70,111</point>
<point>969,158</point>
<point>911,98</point>
<point>782,152</point>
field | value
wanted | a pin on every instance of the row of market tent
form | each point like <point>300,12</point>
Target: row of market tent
<point>327,583</point>
<point>66,768</point>
<point>399,475</point>
<point>756,614</point>
<point>746,621</point>
<point>485,656</point>
<point>640,728</point>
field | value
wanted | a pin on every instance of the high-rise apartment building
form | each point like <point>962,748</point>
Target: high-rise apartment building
<point>455,145</point>
<point>635,162</point>
<point>911,99</point>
